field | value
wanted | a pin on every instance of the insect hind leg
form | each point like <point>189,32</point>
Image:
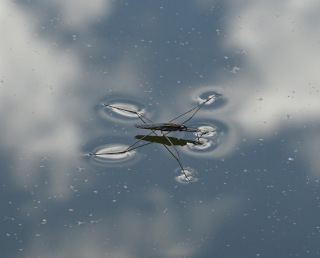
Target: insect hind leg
<point>177,158</point>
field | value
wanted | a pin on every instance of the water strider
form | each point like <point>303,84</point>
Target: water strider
<point>165,129</point>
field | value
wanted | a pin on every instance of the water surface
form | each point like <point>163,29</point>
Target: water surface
<point>255,179</point>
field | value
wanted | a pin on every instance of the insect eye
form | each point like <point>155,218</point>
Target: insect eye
<point>183,127</point>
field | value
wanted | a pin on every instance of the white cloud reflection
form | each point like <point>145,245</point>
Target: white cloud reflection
<point>279,84</point>
<point>36,78</point>
<point>79,13</point>
<point>281,66</point>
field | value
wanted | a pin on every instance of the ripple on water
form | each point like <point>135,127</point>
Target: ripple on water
<point>112,154</point>
<point>117,109</point>
<point>208,141</point>
<point>190,172</point>
<point>208,130</point>
<point>201,95</point>
<point>204,97</point>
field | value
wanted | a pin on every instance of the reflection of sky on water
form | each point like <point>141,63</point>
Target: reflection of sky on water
<point>61,60</point>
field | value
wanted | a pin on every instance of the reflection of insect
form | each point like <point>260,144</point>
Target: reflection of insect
<point>165,129</point>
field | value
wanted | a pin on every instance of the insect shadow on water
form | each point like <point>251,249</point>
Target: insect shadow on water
<point>165,129</point>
